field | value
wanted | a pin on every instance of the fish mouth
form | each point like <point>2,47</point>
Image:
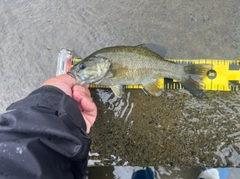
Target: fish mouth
<point>80,81</point>
<point>72,75</point>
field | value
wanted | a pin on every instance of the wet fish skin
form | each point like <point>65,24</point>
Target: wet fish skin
<point>139,65</point>
<point>97,68</point>
<point>136,65</point>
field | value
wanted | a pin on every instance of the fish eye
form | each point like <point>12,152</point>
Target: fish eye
<point>82,66</point>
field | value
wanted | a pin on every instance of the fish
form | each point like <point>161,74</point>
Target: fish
<point>117,66</point>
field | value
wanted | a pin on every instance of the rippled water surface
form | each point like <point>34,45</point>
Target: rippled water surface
<point>174,129</point>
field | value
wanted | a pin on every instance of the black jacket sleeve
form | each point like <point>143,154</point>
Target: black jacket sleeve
<point>43,136</point>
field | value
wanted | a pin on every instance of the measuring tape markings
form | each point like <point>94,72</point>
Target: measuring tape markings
<point>224,75</point>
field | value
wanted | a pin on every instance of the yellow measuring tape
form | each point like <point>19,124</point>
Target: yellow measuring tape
<point>224,75</point>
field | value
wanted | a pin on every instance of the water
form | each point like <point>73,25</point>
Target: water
<point>119,172</point>
<point>172,130</point>
<point>183,132</point>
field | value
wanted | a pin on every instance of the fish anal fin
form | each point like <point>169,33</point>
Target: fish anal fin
<point>152,88</point>
<point>117,90</point>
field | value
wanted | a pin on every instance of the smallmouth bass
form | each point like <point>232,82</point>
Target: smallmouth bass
<point>128,65</point>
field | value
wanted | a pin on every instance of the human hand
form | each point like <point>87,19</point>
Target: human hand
<point>79,93</point>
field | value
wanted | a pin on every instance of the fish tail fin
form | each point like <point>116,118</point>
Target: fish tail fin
<point>193,81</point>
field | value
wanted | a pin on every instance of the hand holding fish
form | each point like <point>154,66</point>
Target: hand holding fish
<point>79,93</point>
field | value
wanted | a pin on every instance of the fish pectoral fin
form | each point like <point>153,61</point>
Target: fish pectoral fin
<point>117,90</point>
<point>110,74</point>
<point>152,88</point>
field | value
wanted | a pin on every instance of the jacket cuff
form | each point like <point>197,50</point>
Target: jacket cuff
<point>55,99</point>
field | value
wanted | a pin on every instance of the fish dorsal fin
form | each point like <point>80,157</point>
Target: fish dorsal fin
<point>152,88</point>
<point>141,45</point>
<point>117,90</point>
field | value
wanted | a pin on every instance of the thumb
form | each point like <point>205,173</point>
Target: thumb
<point>88,108</point>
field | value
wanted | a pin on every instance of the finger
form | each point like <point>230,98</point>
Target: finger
<point>82,96</point>
<point>60,80</point>
<point>89,111</point>
<point>86,105</point>
<point>82,89</point>
<point>63,82</point>
<point>67,79</point>
<point>88,126</point>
